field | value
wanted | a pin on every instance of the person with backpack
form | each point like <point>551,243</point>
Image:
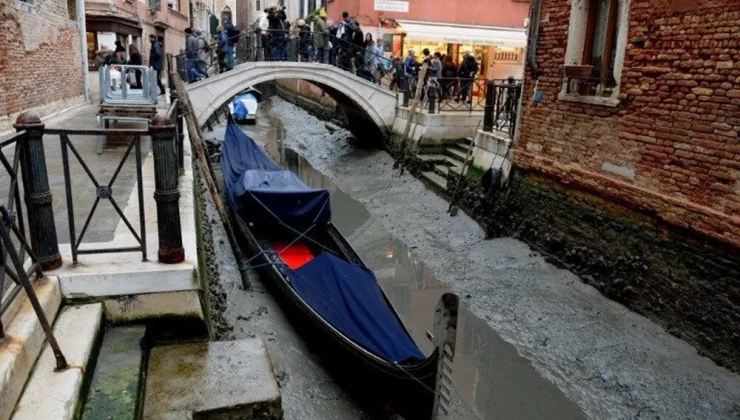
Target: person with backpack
<point>203,52</point>
<point>223,49</point>
<point>320,36</point>
<point>233,34</point>
<point>346,34</point>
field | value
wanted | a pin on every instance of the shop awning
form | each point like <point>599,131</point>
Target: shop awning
<point>458,34</point>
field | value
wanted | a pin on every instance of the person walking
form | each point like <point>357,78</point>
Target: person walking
<point>156,60</point>
<point>305,43</point>
<point>320,36</point>
<point>191,56</point>
<point>233,35</point>
<point>203,52</point>
<point>346,33</point>
<point>262,27</point>
<point>380,60</point>
<point>369,59</point>
<point>358,47</point>
<point>135,59</point>
<point>222,49</point>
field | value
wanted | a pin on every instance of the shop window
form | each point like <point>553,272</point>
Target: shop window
<point>595,54</point>
<point>507,55</point>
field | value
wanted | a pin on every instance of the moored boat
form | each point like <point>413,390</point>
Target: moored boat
<point>243,108</point>
<point>322,282</point>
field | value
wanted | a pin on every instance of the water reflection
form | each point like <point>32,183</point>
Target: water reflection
<point>490,378</point>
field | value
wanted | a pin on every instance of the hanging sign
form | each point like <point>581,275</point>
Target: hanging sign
<point>392,6</point>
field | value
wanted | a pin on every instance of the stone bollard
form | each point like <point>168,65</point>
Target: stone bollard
<point>162,131</point>
<point>488,110</point>
<point>38,197</point>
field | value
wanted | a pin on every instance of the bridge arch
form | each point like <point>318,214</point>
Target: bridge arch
<point>208,95</point>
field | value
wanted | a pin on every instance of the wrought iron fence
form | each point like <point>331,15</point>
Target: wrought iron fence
<point>103,190</point>
<point>15,246</point>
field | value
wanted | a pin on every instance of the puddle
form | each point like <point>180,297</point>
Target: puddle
<point>490,379</point>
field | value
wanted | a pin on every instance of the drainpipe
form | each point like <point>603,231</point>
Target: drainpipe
<point>80,7</point>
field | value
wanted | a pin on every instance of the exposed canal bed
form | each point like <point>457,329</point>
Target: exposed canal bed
<point>533,342</point>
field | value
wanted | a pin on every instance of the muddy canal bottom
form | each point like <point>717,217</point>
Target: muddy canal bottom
<point>490,379</point>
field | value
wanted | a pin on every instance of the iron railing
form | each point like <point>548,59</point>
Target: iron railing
<point>103,190</point>
<point>32,241</point>
<point>14,246</point>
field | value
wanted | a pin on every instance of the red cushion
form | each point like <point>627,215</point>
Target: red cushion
<point>296,256</point>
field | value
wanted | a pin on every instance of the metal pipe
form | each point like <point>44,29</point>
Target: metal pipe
<point>80,10</point>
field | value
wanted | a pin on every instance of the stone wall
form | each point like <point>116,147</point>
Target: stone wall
<point>40,60</point>
<point>670,148</point>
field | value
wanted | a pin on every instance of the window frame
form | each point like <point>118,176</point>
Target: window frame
<point>581,33</point>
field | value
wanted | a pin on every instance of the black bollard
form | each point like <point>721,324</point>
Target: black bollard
<point>406,89</point>
<point>488,110</point>
<point>38,197</point>
<point>162,132</point>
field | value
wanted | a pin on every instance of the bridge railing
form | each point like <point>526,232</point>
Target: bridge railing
<point>453,94</point>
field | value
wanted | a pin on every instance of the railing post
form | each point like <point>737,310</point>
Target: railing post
<point>162,132</point>
<point>432,97</point>
<point>488,110</point>
<point>38,197</point>
<point>406,89</point>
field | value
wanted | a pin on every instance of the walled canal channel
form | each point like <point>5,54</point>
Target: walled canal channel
<point>534,341</point>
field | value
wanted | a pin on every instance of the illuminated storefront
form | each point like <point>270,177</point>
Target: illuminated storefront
<point>499,51</point>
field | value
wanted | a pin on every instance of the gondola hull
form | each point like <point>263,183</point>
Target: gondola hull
<point>408,390</point>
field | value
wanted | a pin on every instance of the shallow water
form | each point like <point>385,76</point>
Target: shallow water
<point>490,379</point>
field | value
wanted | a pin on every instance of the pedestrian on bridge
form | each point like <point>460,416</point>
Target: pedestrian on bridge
<point>320,36</point>
<point>191,56</point>
<point>223,49</point>
<point>203,52</point>
<point>135,59</point>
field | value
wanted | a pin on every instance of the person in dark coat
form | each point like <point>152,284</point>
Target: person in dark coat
<point>233,34</point>
<point>135,59</point>
<point>449,74</point>
<point>156,60</point>
<point>358,47</point>
<point>278,34</point>
<point>346,35</point>
<point>468,70</point>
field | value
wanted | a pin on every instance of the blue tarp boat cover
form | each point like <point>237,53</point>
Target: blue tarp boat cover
<point>344,294</point>
<point>240,108</point>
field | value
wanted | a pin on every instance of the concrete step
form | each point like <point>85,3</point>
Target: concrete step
<point>443,170</point>
<point>24,339</point>
<point>212,380</point>
<point>463,147</point>
<point>433,157</point>
<point>435,179</point>
<point>114,390</point>
<point>456,154</point>
<point>55,395</point>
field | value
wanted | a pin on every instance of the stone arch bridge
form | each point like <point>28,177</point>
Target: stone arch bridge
<point>365,101</point>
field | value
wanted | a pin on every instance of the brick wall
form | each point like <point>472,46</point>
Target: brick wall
<point>40,59</point>
<point>671,148</point>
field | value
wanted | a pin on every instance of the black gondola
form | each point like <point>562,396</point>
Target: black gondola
<point>327,288</point>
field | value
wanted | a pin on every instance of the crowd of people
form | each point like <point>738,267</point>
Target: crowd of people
<point>342,44</point>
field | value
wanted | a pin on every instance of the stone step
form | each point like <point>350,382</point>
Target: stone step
<point>444,170</point>
<point>212,380</point>
<point>456,154</point>
<point>433,157</point>
<point>23,329</point>
<point>55,395</point>
<point>463,147</point>
<point>435,179</point>
<point>114,390</point>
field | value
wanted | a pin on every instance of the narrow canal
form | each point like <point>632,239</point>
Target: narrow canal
<point>512,302</point>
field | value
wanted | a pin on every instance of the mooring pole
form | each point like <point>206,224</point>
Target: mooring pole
<point>38,197</point>
<point>162,131</point>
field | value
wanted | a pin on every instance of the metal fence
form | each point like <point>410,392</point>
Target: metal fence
<point>28,235</point>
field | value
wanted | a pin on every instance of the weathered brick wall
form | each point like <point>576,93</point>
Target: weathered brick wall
<point>40,59</point>
<point>671,148</point>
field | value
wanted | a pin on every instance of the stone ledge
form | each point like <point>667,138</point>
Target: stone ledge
<point>24,338</point>
<point>54,395</point>
<point>591,100</point>
<point>234,379</point>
